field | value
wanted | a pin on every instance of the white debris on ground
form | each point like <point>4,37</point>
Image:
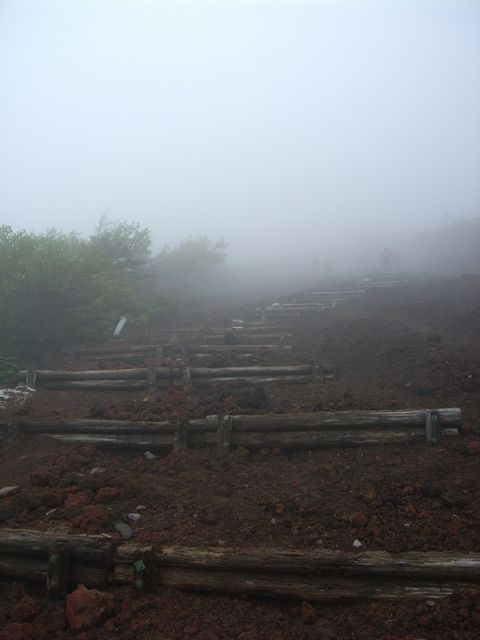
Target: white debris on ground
<point>18,396</point>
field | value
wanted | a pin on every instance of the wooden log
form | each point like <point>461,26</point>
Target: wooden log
<point>304,587</point>
<point>305,305</point>
<point>326,420</point>
<point>254,440</point>
<point>296,379</point>
<point>450,419</point>
<point>131,442</point>
<point>104,374</point>
<point>245,357</point>
<point>36,570</point>
<point>425,565</point>
<point>222,372</point>
<point>98,385</point>
<point>37,544</point>
<point>324,440</point>
<point>92,425</point>
<point>337,293</point>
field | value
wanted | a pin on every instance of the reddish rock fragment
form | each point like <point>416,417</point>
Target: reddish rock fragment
<point>77,500</point>
<point>17,631</point>
<point>25,610</point>
<point>309,613</point>
<point>87,608</point>
<point>92,518</point>
<point>107,494</point>
<point>359,519</point>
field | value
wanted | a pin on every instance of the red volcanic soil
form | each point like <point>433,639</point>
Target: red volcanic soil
<point>417,346</point>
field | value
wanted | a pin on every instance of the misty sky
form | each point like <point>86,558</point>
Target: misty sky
<point>262,122</point>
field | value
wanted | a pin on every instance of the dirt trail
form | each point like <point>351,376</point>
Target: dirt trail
<point>413,347</point>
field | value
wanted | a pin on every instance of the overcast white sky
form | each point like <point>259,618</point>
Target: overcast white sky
<point>266,123</point>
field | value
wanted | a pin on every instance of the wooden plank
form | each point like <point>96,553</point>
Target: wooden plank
<point>324,440</point>
<point>326,420</point>
<point>37,544</point>
<point>293,379</point>
<point>425,565</point>
<point>305,588</point>
<point>219,372</point>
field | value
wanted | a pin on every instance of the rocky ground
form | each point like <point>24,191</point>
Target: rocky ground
<point>413,347</point>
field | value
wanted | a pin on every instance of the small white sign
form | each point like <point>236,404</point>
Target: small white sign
<point>120,326</point>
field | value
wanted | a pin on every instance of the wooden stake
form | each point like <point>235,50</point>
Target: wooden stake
<point>152,378</point>
<point>180,441</point>
<point>187,378</point>
<point>58,572</point>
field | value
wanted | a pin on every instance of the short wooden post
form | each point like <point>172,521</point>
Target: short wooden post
<point>144,570</point>
<point>31,378</point>
<point>187,378</point>
<point>58,569</point>
<point>224,433</point>
<point>152,377</point>
<point>317,373</point>
<point>180,440</point>
<point>432,427</point>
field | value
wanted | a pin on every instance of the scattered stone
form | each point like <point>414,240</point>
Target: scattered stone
<point>124,530</point>
<point>149,455</point>
<point>77,500</point>
<point>140,507</point>
<point>16,631</point>
<point>357,544</point>
<point>273,521</point>
<point>25,610</point>
<point>8,491</point>
<point>134,516</point>
<point>87,608</point>
<point>97,470</point>
<point>309,613</point>
<point>92,518</point>
<point>359,519</point>
<point>473,448</point>
<point>107,494</point>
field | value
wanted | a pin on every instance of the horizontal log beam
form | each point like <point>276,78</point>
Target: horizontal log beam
<point>326,423</point>
<point>280,379</point>
<point>104,374</point>
<point>217,372</point>
<point>301,587</point>
<point>430,565</point>
<point>37,544</point>
<point>324,420</point>
<point>313,575</point>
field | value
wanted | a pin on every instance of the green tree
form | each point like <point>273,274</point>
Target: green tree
<point>190,261</point>
<point>57,289</point>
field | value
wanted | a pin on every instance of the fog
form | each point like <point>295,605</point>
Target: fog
<point>297,131</point>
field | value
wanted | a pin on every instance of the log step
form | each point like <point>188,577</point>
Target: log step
<point>312,575</point>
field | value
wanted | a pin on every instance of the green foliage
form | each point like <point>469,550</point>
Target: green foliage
<point>191,260</point>
<point>8,368</point>
<point>57,289</point>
